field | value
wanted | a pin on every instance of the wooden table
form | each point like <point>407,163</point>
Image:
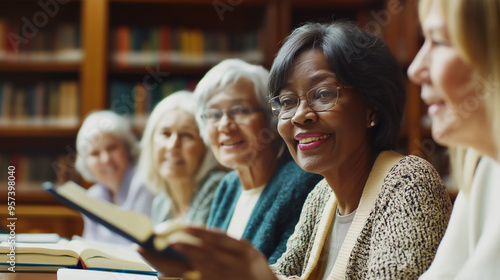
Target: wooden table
<point>27,276</point>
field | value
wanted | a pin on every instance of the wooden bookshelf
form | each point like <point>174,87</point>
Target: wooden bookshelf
<point>177,69</point>
<point>8,66</point>
<point>46,219</point>
<point>43,132</point>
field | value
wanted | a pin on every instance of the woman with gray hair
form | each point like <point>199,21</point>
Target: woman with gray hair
<point>107,152</point>
<point>181,171</point>
<point>260,200</point>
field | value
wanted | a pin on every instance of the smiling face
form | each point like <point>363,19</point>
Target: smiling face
<point>178,148</point>
<point>449,87</point>
<point>239,144</point>
<point>322,141</point>
<point>107,160</point>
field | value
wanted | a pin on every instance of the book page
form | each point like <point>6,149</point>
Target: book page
<point>41,254</point>
<point>99,256</point>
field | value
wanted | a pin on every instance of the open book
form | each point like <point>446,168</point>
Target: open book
<point>134,226</point>
<point>75,253</point>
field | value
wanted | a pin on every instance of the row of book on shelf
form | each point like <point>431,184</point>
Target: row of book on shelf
<point>182,46</point>
<point>137,99</point>
<point>54,103</point>
<point>25,41</point>
<point>33,169</point>
<point>57,103</point>
<point>130,45</point>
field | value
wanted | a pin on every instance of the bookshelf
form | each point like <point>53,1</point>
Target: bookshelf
<point>119,61</point>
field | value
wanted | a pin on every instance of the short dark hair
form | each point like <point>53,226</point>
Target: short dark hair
<point>358,59</point>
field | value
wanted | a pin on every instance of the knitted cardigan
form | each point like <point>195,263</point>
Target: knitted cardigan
<point>277,211</point>
<point>398,239</point>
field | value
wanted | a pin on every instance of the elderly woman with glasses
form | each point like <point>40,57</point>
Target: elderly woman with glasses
<point>338,95</point>
<point>260,200</point>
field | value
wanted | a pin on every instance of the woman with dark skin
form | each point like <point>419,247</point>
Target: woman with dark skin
<point>339,114</point>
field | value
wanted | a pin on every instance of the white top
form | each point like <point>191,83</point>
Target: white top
<point>133,195</point>
<point>242,211</point>
<point>470,248</point>
<point>337,236</point>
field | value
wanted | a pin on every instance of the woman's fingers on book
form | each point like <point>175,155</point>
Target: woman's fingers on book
<point>168,227</point>
<point>166,266</point>
<point>218,240</point>
<point>210,263</point>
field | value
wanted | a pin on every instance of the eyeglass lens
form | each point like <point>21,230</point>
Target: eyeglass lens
<point>238,114</point>
<point>319,99</point>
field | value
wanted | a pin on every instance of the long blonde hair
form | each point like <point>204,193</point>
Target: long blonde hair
<point>474,30</point>
<point>186,101</point>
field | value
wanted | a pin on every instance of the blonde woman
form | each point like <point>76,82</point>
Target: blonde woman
<point>179,168</point>
<point>458,68</point>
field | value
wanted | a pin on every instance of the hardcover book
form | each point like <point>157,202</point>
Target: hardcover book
<point>134,226</point>
<point>74,253</point>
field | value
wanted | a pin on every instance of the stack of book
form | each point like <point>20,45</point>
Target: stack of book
<point>71,254</point>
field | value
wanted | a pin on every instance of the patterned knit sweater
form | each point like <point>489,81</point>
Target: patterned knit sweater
<point>400,236</point>
<point>277,211</point>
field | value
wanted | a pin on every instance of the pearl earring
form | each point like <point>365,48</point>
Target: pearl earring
<point>372,124</point>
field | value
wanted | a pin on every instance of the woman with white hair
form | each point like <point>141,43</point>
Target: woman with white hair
<point>179,168</point>
<point>107,152</point>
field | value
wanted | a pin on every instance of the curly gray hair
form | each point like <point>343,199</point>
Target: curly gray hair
<point>96,125</point>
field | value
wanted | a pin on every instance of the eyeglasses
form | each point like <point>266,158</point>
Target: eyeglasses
<point>319,99</point>
<point>239,114</point>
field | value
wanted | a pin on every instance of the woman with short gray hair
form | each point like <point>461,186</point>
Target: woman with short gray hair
<point>261,199</point>
<point>107,152</point>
